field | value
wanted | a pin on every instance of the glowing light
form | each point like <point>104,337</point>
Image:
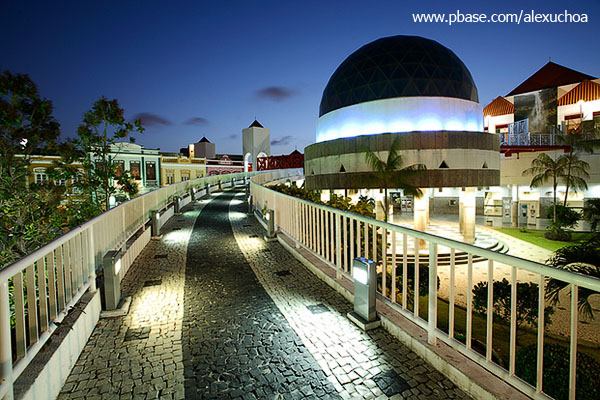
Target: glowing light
<point>117,266</point>
<point>360,275</point>
<point>177,236</point>
<point>403,114</point>
<point>236,216</point>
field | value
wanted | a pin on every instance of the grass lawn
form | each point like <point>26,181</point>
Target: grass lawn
<point>537,238</point>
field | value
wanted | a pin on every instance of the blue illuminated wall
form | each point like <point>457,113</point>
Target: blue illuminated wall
<point>405,114</point>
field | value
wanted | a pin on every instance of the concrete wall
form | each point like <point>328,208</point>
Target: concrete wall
<point>47,373</point>
<point>472,159</point>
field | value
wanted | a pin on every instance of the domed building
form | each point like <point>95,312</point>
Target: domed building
<point>410,89</point>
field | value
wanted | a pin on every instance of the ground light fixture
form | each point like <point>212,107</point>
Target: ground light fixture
<point>112,285</point>
<point>270,217</point>
<point>364,274</point>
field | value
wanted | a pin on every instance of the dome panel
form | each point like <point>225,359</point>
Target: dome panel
<point>397,66</point>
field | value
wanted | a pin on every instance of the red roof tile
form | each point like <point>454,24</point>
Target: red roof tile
<point>586,91</point>
<point>550,75</point>
<point>500,106</point>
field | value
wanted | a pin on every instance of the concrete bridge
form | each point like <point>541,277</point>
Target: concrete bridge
<point>213,310</point>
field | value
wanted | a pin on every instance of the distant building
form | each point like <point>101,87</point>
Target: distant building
<point>143,164</point>
<point>225,164</point>
<point>554,100</point>
<point>215,164</point>
<point>533,118</point>
<point>176,167</point>
<point>38,174</point>
<point>202,149</point>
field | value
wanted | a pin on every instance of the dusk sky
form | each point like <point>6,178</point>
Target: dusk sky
<point>199,68</point>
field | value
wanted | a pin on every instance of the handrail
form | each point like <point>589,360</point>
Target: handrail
<point>337,236</point>
<point>58,273</point>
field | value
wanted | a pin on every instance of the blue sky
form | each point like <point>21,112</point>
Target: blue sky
<point>200,68</point>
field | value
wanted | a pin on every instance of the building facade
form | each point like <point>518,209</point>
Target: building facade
<point>176,167</point>
<point>143,164</point>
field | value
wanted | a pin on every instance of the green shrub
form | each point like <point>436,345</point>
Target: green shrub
<point>558,234</point>
<point>556,371</point>
<point>565,217</point>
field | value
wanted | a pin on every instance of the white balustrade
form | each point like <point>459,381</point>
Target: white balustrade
<point>326,237</point>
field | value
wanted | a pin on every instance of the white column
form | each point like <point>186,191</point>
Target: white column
<point>460,212</point>
<point>420,205</point>
<point>514,211</point>
<point>468,201</point>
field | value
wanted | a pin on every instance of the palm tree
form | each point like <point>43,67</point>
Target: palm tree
<point>391,174</point>
<point>582,258</point>
<point>578,142</point>
<point>576,173</point>
<point>544,168</point>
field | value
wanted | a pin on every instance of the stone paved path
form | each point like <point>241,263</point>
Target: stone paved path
<point>219,313</point>
<point>236,341</point>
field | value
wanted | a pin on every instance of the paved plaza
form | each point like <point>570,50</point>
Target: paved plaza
<point>217,312</point>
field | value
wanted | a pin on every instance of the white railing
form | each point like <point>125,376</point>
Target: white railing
<point>47,283</point>
<point>337,237</point>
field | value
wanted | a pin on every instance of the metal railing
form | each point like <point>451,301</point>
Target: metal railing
<point>337,237</point>
<point>47,283</point>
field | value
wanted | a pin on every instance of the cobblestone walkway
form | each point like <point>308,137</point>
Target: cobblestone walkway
<point>236,341</point>
<point>219,313</point>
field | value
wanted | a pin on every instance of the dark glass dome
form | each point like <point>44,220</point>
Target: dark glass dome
<point>398,66</point>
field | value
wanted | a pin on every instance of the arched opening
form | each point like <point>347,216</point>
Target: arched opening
<point>247,161</point>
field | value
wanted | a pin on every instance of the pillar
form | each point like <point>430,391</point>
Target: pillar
<point>514,210</point>
<point>420,206</point>
<point>468,214</point>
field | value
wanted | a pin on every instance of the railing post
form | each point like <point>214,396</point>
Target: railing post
<point>192,194</point>
<point>338,246</point>
<point>5,344</point>
<point>432,314</point>
<point>297,225</point>
<point>92,259</point>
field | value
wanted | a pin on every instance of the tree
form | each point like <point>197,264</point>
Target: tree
<point>103,126</point>
<point>576,173</point>
<point>527,302</point>
<point>578,142</point>
<point>390,173</point>
<point>591,213</point>
<point>29,213</point>
<point>582,258</point>
<point>543,169</point>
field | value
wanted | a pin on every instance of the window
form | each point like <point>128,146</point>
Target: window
<point>120,165</point>
<point>60,182</point>
<point>150,171</point>
<point>185,176</point>
<point>134,167</point>
<point>573,123</point>
<point>502,128</point>
<point>74,181</point>
<point>40,175</point>
<point>169,178</point>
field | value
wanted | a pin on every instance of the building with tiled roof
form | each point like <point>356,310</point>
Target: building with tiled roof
<point>553,100</point>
